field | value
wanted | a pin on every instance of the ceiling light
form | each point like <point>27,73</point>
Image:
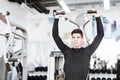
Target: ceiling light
<point>23,5</point>
<point>106,4</point>
<point>64,6</point>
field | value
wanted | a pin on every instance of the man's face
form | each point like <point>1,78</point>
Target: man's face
<point>77,40</point>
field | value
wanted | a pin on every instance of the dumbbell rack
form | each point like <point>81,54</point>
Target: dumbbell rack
<point>39,73</point>
<point>96,74</point>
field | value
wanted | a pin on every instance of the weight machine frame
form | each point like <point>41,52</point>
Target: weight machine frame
<point>18,58</point>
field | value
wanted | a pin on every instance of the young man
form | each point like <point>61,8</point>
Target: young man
<point>77,59</point>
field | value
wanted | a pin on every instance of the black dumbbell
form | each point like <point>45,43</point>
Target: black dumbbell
<point>114,71</point>
<point>92,78</point>
<point>109,79</point>
<point>92,71</point>
<point>29,78</point>
<point>108,71</point>
<point>97,71</point>
<point>114,79</point>
<point>103,78</point>
<point>98,78</point>
<point>40,77</point>
<point>44,77</point>
<point>103,71</point>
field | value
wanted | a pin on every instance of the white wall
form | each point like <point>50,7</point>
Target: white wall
<point>17,13</point>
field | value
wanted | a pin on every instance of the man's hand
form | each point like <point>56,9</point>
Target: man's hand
<point>58,13</point>
<point>93,13</point>
<point>59,16</point>
<point>96,15</point>
<point>2,17</point>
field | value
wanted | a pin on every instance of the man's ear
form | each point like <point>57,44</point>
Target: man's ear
<point>82,39</point>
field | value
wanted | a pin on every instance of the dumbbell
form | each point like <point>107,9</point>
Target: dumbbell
<point>97,71</point>
<point>108,71</point>
<point>45,68</point>
<point>98,78</point>
<point>114,71</point>
<point>40,77</point>
<point>44,77</point>
<point>103,71</point>
<point>29,78</point>
<point>92,78</point>
<point>103,78</point>
<point>92,71</point>
<point>114,79</point>
<point>109,79</point>
<point>32,77</point>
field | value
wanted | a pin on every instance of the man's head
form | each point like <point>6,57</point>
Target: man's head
<point>77,38</point>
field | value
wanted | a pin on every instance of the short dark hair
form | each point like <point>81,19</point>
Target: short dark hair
<point>77,31</point>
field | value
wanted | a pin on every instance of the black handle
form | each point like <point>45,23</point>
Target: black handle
<point>91,11</point>
<point>57,12</point>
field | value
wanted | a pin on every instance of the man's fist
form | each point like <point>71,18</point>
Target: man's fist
<point>2,17</point>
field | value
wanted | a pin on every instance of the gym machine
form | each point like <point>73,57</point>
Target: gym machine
<point>55,69</point>
<point>15,53</point>
<point>118,67</point>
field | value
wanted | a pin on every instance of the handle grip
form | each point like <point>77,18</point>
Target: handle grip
<point>58,12</point>
<point>91,11</point>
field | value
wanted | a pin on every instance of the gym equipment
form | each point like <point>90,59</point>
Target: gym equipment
<point>55,68</point>
<point>114,71</point>
<point>91,11</point>
<point>108,71</point>
<point>87,40</point>
<point>60,12</point>
<point>114,79</point>
<point>93,79</point>
<point>98,78</point>
<point>104,74</point>
<point>118,67</point>
<point>43,69</point>
<point>103,78</point>
<point>41,77</point>
<point>16,51</point>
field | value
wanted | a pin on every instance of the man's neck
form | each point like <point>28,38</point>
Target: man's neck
<point>76,47</point>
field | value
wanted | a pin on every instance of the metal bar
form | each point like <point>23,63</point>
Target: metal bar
<point>19,35</point>
<point>4,35</point>
<point>13,60</point>
<point>18,27</point>
<point>8,36</point>
<point>85,32</point>
<point>72,22</point>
